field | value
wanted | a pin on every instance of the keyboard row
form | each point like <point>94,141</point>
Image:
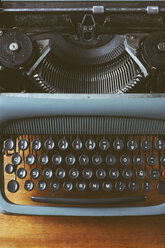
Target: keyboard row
<point>90,144</point>
<point>87,173</point>
<point>92,186</point>
<point>83,159</point>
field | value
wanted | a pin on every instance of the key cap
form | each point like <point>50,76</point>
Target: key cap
<point>151,160</point>
<point>107,186</point>
<point>113,173</point>
<point>67,186</point>
<point>34,173</point>
<point>73,173</point>
<point>162,160</point>
<point>56,159</point>
<point>104,145</point>
<point>49,144</point>
<point>100,173</point>
<point>43,159</point>
<point>125,160</point>
<point>60,173</point>
<point>9,168</point>
<point>118,144</point>
<point>21,173</point>
<point>90,144</point>
<point>47,173</point>
<point>154,174</point>
<point>120,186</point>
<point>94,186</point>
<point>132,145</point>
<point>70,159</point>
<point>22,144</point>
<point>138,160</point>
<point>28,185</point>
<point>9,144</point>
<point>54,186</point>
<point>159,145</point>
<point>133,186</point>
<point>16,159</point>
<point>111,160</point>
<point>81,186</point>
<point>87,173</point>
<point>146,186</point>
<point>63,144</point>
<point>77,144</point>
<point>83,159</point>
<point>41,185</point>
<point>96,159</point>
<point>127,173</point>
<point>36,145</point>
<point>140,174</point>
<point>146,145</point>
<point>161,187</point>
<point>30,159</point>
<point>12,186</point>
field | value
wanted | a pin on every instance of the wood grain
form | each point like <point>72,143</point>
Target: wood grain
<point>76,232</point>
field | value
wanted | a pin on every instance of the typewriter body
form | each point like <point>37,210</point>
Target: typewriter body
<point>82,120</point>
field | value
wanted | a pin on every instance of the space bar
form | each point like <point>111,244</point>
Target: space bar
<point>88,201</point>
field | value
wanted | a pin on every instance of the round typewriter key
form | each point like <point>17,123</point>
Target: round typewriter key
<point>125,160</point>
<point>21,173</point>
<point>133,186</point>
<point>28,185</point>
<point>70,159</point>
<point>146,186</point>
<point>94,186</point>
<point>73,173</point>
<point>36,145</point>
<point>120,186</point>
<point>54,185</point>
<point>16,159</point>
<point>87,173</point>
<point>146,145</point>
<point>49,144</point>
<point>43,159</point>
<point>56,159</point>
<point>140,174</point>
<point>30,159</point>
<point>9,168</point>
<point>47,173</point>
<point>162,160</point>
<point>163,174</point>
<point>60,173</point>
<point>111,160</point>
<point>107,186</point>
<point>100,173</point>
<point>13,186</point>
<point>154,174</point>
<point>159,145</point>
<point>104,145</point>
<point>132,145</point>
<point>63,144</point>
<point>67,186</point>
<point>22,144</point>
<point>118,144</point>
<point>96,159</point>
<point>138,160</point>
<point>151,160</point>
<point>41,185</point>
<point>83,159</point>
<point>77,144</point>
<point>127,173</point>
<point>113,173</point>
<point>80,186</point>
<point>9,144</point>
<point>90,144</point>
<point>34,173</point>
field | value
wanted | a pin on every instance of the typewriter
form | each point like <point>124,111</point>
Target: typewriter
<point>82,108</point>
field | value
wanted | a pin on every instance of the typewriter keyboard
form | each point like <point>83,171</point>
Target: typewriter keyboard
<point>84,169</point>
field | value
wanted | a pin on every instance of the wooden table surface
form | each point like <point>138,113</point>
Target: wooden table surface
<point>71,232</point>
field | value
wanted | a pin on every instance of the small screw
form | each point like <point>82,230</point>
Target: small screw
<point>161,46</point>
<point>13,46</point>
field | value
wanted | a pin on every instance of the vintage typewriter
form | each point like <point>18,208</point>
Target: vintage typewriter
<point>82,107</point>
